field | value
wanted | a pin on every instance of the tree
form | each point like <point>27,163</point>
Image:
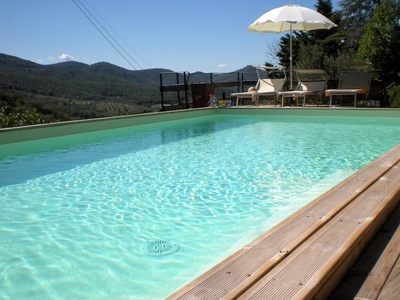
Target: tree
<point>316,48</point>
<point>380,45</point>
<point>355,14</point>
<point>284,48</point>
<point>310,57</point>
<point>332,40</point>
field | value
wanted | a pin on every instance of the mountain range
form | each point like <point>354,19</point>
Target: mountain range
<point>77,80</point>
<point>74,90</point>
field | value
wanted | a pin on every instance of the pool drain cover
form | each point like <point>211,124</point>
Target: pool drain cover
<point>160,247</point>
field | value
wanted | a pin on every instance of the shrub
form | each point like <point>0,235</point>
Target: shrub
<point>12,117</point>
<point>394,96</point>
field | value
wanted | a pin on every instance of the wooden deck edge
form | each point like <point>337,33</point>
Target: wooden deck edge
<point>370,230</point>
<point>366,266</point>
<point>379,168</point>
<point>318,283</point>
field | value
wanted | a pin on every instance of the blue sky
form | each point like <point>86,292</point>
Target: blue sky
<point>181,35</point>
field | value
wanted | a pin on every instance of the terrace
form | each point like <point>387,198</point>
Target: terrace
<point>187,90</point>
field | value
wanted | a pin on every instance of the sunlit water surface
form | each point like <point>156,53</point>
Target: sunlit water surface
<point>78,212</point>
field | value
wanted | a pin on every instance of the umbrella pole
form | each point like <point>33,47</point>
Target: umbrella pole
<point>291,60</point>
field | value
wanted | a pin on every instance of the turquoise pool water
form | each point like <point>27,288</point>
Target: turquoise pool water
<point>78,212</point>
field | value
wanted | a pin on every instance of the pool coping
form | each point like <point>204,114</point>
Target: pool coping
<point>49,130</point>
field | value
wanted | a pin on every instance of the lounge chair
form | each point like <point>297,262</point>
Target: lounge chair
<point>307,87</point>
<point>264,87</point>
<point>351,84</point>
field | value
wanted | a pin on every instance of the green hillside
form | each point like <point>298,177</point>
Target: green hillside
<point>78,81</point>
<point>73,90</point>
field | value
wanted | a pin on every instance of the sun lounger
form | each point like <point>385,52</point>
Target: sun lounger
<point>268,84</point>
<point>264,87</point>
<point>313,85</point>
<point>351,84</point>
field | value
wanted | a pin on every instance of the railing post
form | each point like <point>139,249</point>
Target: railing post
<point>186,88</point>
<point>177,82</point>
<point>162,92</point>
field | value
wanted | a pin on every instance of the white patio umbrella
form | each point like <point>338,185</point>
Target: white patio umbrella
<point>288,18</point>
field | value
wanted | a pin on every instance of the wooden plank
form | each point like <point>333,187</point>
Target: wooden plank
<point>391,290</point>
<point>355,278</point>
<point>379,274</point>
<point>319,263</point>
<point>392,287</point>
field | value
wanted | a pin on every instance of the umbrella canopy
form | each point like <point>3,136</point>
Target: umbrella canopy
<point>289,18</point>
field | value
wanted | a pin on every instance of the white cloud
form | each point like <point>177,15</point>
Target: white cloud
<point>40,60</point>
<point>223,66</point>
<point>49,57</point>
<point>66,57</point>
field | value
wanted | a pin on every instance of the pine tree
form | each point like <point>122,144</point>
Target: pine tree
<point>355,14</point>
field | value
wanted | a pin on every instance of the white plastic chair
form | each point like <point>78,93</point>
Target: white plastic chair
<point>264,87</point>
<point>308,87</point>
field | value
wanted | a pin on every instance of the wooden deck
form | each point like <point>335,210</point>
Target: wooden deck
<point>307,255</point>
<point>376,274</point>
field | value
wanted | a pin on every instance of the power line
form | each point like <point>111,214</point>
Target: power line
<point>119,36</point>
<point>109,34</point>
<point>102,33</point>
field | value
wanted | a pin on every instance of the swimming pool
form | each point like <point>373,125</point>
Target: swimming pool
<point>78,211</point>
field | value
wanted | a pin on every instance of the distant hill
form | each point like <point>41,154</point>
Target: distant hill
<point>79,81</point>
<point>74,90</point>
<point>71,70</point>
<point>92,82</point>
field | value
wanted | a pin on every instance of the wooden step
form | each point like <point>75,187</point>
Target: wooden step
<point>317,266</point>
